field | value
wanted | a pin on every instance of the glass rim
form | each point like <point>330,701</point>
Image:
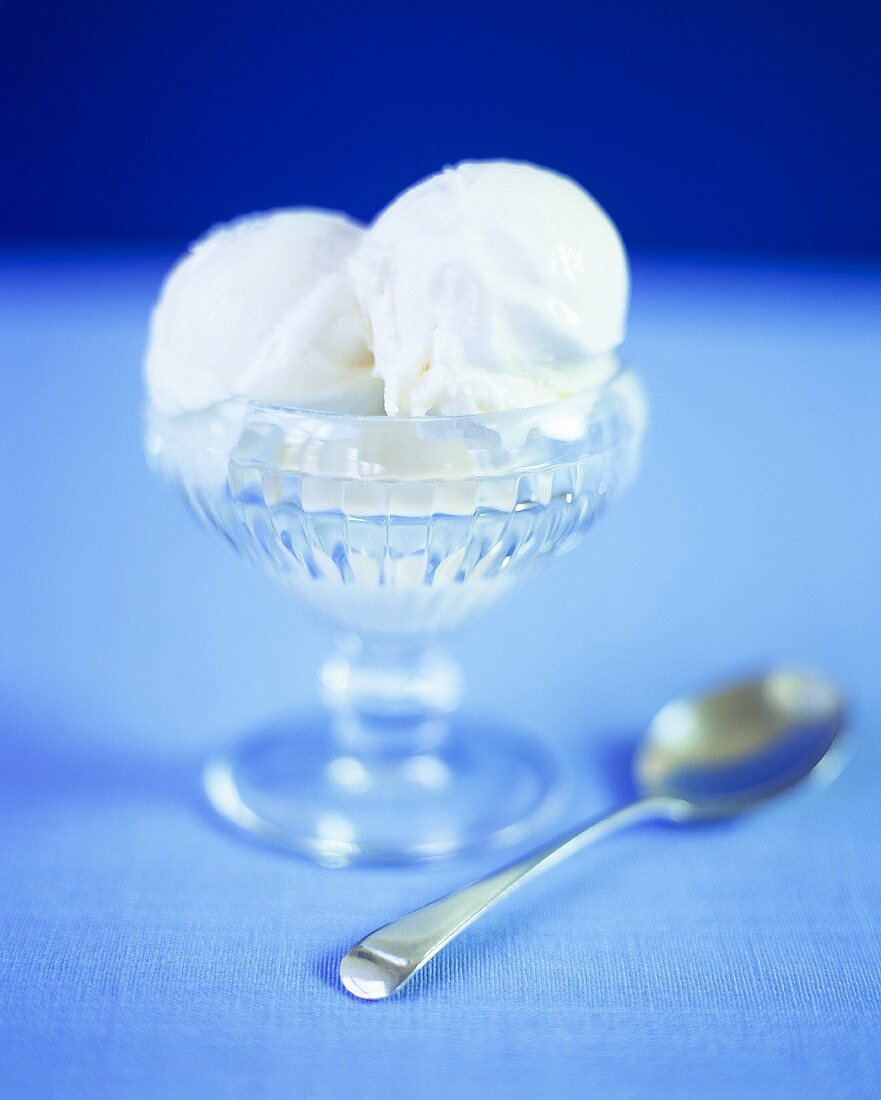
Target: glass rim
<point>624,374</point>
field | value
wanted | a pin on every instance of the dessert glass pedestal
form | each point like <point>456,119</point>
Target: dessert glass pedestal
<point>397,529</point>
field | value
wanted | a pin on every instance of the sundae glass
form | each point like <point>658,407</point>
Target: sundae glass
<point>397,529</point>
<point>399,423</point>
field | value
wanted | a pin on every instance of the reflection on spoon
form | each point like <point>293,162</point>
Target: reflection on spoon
<point>707,757</point>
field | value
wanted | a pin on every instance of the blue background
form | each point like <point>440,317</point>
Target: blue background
<point>746,125</point>
<point>147,952</point>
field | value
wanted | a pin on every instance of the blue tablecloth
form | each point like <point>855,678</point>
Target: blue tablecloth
<point>146,951</point>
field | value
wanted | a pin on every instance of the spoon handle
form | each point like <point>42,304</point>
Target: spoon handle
<point>383,961</point>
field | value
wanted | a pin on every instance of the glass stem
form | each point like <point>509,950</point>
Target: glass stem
<point>390,696</point>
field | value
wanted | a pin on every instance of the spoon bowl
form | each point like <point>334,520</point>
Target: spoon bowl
<point>720,753</point>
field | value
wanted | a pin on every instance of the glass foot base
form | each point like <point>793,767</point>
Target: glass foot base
<point>483,788</point>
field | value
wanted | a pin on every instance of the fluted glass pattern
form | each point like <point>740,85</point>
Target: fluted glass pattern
<point>402,525</point>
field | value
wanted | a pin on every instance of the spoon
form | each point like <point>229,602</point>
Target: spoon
<point>706,757</point>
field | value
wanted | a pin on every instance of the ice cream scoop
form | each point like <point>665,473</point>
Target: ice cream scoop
<point>263,308</point>
<point>489,286</point>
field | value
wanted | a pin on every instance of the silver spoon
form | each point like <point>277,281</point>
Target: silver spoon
<point>706,757</point>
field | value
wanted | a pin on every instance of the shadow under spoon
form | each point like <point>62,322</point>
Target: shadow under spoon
<point>706,757</point>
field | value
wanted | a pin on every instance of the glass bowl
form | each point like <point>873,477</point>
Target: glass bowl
<point>397,530</point>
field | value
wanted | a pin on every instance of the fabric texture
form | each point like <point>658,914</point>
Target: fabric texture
<point>149,951</point>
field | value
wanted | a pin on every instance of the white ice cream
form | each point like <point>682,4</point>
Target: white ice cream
<point>263,308</point>
<point>489,286</point>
